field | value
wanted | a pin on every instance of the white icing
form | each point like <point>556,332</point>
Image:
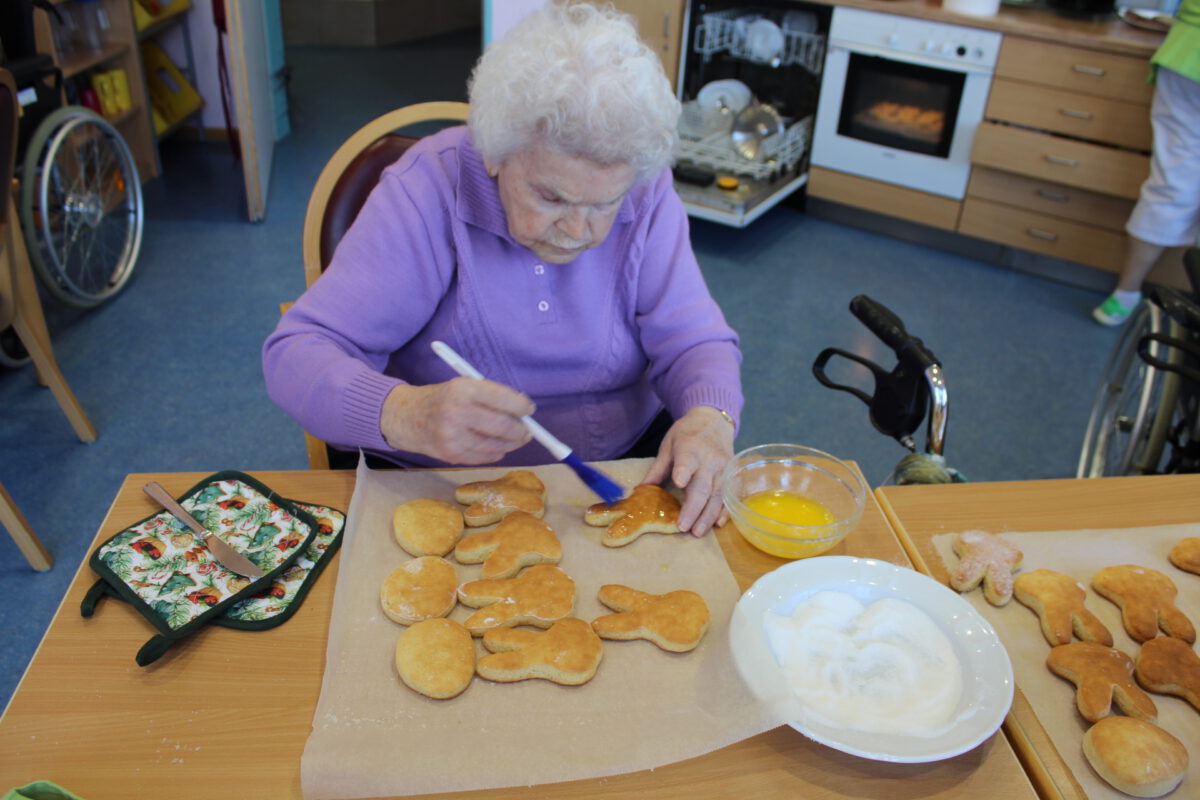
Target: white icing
<point>883,668</point>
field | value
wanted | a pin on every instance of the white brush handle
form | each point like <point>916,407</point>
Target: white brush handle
<point>459,364</point>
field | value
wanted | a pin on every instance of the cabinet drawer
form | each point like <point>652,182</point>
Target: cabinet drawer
<point>1112,75</point>
<point>1040,155</point>
<point>883,198</point>
<point>1027,230</point>
<point>1050,199</point>
<point>1098,119</point>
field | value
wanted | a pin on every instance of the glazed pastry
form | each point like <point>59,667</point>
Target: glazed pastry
<point>1101,675</point>
<point>1186,554</point>
<point>649,509</point>
<point>1169,666</point>
<point>1136,757</point>
<point>1058,600</point>
<point>1146,598</point>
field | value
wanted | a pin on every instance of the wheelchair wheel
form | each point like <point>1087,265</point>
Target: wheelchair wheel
<point>1135,405</point>
<point>81,206</point>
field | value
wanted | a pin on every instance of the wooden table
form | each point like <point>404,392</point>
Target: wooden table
<point>918,513</point>
<point>226,713</point>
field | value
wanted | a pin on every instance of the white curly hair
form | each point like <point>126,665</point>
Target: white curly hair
<point>577,78</point>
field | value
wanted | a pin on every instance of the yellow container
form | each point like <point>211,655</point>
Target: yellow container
<point>170,93</point>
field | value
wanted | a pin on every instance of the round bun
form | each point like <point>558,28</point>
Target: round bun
<point>1136,757</point>
<point>436,657</point>
<point>427,527</point>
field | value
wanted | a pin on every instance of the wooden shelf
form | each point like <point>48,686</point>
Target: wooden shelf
<point>94,58</point>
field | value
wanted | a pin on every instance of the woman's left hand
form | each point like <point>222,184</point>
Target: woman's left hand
<point>693,455</point>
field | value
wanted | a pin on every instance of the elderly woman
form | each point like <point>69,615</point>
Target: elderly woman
<point>545,243</point>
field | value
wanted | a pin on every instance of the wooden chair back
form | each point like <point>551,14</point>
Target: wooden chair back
<point>342,188</point>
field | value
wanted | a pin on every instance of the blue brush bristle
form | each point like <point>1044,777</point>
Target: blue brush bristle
<point>601,484</point>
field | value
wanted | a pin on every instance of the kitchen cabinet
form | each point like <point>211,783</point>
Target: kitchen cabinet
<point>660,24</point>
<point>1062,153</point>
<point>109,42</point>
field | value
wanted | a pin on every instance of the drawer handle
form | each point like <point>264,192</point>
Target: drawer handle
<point>1062,162</point>
<point>1057,197</point>
<point>1070,112</point>
<point>1039,234</point>
<point>1086,70</point>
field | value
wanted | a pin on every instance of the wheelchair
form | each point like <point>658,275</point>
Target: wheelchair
<point>80,198</point>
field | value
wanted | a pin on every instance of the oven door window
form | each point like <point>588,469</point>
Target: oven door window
<point>900,105</point>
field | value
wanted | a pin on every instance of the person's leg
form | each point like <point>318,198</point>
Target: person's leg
<point>1168,208</point>
<point>1140,256</point>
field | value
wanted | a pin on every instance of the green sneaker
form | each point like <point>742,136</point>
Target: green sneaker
<point>1111,312</point>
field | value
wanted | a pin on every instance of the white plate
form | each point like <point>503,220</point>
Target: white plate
<point>731,94</point>
<point>764,40</point>
<point>987,671</point>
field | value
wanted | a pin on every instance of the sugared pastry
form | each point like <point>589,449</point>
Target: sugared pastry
<point>540,596</point>
<point>985,558</point>
<point>491,501</point>
<point>427,527</point>
<point>520,540</point>
<point>421,588</point>
<point>674,621</point>
<point>436,657</point>
<point>568,653</point>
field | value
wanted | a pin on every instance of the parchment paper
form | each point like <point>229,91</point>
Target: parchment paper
<point>1081,554</point>
<point>372,736</point>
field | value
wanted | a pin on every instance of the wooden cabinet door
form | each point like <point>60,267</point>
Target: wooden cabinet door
<point>660,24</point>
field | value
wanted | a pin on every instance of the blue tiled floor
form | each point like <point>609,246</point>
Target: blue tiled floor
<point>169,370</point>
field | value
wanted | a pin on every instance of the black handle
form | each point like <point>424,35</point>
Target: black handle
<point>880,320</point>
<point>828,353</point>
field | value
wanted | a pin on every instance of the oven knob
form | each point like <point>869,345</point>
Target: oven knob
<point>947,49</point>
<point>893,39</point>
<point>960,50</point>
<point>930,46</point>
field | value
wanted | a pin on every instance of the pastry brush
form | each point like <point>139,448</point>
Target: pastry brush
<point>605,487</point>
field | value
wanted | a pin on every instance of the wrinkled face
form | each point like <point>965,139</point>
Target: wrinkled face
<point>559,205</point>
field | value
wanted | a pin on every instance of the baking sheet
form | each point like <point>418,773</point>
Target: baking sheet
<point>373,737</point>
<point>1081,554</point>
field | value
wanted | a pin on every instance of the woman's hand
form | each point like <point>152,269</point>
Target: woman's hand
<point>462,421</point>
<point>693,455</point>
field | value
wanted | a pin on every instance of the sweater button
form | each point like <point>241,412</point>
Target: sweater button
<point>543,306</point>
<point>538,269</point>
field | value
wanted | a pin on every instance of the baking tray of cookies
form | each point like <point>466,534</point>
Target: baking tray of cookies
<point>637,707</point>
<point>1045,723</point>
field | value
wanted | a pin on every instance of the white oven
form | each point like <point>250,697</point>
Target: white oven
<point>901,99</point>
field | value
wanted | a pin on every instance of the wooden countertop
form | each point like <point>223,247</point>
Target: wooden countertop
<point>1110,35</point>
<point>226,713</point>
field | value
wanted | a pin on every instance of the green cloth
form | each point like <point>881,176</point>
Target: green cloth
<point>40,790</point>
<point>1180,51</point>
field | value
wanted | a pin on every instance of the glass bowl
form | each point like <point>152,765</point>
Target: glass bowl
<point>800,470</point>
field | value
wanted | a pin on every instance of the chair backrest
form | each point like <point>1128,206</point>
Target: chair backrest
<point>352,172</point>
<point>9,122</point>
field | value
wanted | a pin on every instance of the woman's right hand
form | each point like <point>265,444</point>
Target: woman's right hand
<point>463,421</point>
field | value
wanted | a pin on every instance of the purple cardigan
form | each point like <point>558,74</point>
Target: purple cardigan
<point>601,345</point>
